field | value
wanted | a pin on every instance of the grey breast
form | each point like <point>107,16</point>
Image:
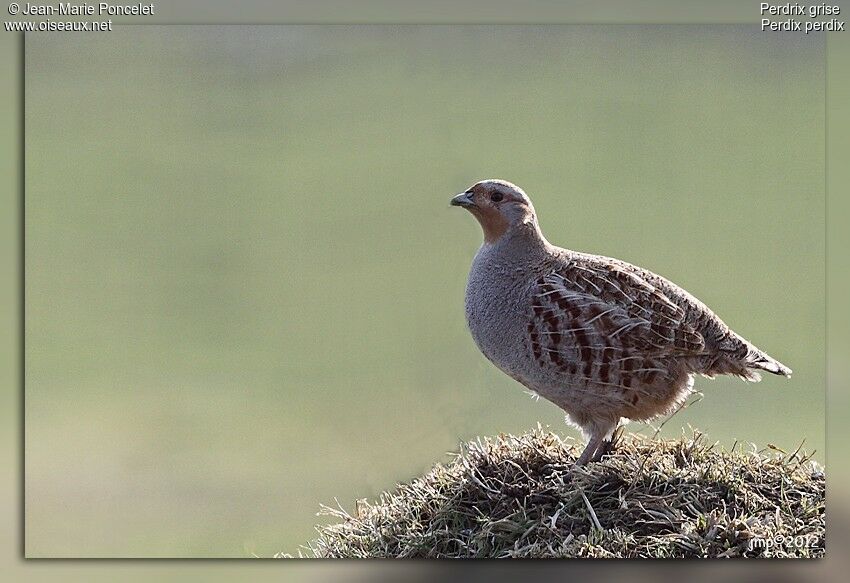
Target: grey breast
<point>497,304</point>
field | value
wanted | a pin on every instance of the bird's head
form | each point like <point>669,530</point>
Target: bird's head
<point>499,206</point>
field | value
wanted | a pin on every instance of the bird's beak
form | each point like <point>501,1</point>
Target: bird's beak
<point>463,199</point>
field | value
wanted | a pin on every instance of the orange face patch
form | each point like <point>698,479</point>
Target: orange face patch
<point>493,222</point>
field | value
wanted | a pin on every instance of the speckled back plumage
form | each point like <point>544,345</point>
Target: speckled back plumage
<point>599,337</point>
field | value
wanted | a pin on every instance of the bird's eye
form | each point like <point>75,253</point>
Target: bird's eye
<point>497,197</point>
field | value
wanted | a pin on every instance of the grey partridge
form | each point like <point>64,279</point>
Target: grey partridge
<point>604,340</point>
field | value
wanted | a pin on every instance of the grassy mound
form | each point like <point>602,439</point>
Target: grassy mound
<point>522,497</point>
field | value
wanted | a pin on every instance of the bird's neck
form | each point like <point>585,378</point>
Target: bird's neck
<point>520,242</point>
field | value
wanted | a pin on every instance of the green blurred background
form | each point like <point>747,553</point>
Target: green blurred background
<point>244,285</point>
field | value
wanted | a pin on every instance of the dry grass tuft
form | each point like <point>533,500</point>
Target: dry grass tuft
<point>521,496</point>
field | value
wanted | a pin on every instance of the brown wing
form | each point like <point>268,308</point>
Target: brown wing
<point>604,324</point>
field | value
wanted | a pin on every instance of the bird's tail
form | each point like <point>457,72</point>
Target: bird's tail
<point>741,359</point>
<point>759,360</point>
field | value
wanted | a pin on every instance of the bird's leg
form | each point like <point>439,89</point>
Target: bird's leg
<point>592,445</point>
<point>608,445</point>
<point>618,433</point>
<point>603,449</point>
